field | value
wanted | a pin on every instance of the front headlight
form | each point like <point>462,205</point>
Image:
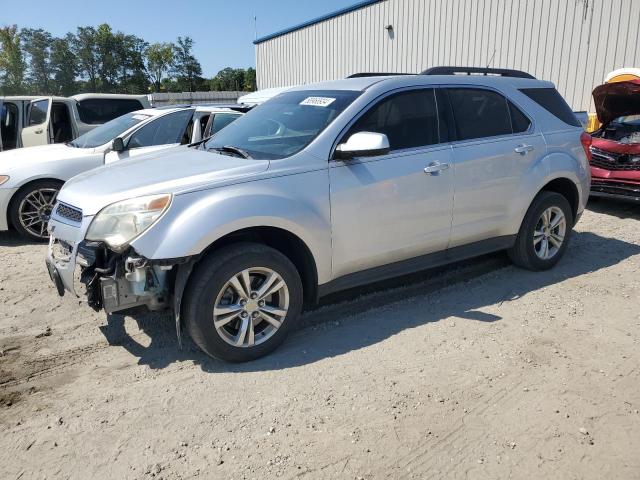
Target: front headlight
<point>4,179</point>
<point>119,223</point>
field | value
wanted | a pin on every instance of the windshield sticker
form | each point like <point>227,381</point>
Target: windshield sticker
<point>318,101</point>
<point>140,117</point>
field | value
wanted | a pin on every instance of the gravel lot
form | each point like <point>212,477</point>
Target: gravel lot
<point>478,370</point>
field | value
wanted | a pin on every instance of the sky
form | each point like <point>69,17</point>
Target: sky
<point>223,31</point>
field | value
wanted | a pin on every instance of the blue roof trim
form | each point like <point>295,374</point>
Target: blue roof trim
<point>328,16</point>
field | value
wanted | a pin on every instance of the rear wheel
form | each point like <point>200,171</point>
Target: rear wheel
<point>544,234</point>
<point>242,301</point>
<point>31,208</point>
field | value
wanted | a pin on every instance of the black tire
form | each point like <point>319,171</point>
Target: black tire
<point>523,252</point>
<point>206,283</point>
<point>18,204</point>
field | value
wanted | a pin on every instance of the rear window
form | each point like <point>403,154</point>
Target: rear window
<point>96,111</point>
<point>551,100</point>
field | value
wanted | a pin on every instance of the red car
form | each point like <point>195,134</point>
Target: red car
<point>615,147</point>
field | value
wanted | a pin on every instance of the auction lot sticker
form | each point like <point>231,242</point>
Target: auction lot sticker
<point>318,101</point>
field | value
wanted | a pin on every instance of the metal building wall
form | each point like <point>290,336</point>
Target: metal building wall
<point>573,43</point>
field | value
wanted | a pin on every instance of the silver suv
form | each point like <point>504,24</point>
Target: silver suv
<point>323,188</point>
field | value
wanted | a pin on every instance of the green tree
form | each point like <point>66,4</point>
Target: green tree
<point>85,50</point>
<point>159,58</point>
<point>250,80</point>
<point>186,69</point>
<point>36,44</point>
<point>228,79</point>
<point>12,65</point>
<point>129,56</point>
<point>64,66</point>
<point>105,55</point>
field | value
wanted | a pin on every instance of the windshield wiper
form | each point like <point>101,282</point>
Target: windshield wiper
<point>232,149</point>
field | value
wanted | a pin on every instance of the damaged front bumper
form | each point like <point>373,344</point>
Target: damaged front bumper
<point>107,280</point>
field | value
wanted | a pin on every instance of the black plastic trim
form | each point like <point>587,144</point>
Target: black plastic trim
<point>416,264</point>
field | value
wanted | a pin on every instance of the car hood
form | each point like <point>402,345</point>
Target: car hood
<point>176,170</point>
<point>30,156</point>
<point>618,99</point>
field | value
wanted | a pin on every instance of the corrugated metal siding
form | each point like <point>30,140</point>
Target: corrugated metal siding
<point>573,43</point>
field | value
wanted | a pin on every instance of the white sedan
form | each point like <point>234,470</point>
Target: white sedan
<point>30,178</point>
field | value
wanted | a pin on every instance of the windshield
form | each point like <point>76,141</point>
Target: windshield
<point>284,125</point>
<point>108,131</point>
<point>629,120</point>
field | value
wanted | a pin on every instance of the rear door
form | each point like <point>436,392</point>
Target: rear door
<point>38,124</point>
<point>495,144</point>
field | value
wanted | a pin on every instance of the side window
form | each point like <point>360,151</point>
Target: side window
<point>96,111</point>
<point>38,112</point>
<point>479,113</point>
<point>408,119</point>
<point>167,129</point>
<point>519,121</point>
<point>221,120</point>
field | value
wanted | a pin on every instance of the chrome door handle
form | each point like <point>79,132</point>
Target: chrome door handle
<point>522,149</point>
<point>435,167</point>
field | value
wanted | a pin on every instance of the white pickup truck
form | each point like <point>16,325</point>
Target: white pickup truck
<point>28,121</point>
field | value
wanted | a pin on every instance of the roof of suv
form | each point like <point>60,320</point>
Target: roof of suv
<point>363,83</point>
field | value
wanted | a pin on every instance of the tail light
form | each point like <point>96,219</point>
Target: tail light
<point>586,140</point>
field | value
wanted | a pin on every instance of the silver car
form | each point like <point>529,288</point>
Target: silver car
<point>323,188</point>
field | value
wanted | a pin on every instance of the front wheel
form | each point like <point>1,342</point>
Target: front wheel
<point>544,234</point>
<point>31,208</point>
<point>241,302</point>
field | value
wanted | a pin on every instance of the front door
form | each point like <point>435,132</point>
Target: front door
<point>393,207</point>
<point>162,132</point>
<point>38,128</point>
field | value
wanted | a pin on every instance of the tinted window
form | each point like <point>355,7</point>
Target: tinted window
<point>107,132</point>
<point>408,119</point>
<point>285,124</point>
<point>479,113</point>
<point>9,125</point>
<point>38,112</point>
<point>552,101</point>
<point>96,111</point>
<point>519,122</point>
<point>165,130</point>
<point>221,120</point>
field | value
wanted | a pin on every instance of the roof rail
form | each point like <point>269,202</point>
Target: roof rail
<point>502,72</point>
<point>376,74</point>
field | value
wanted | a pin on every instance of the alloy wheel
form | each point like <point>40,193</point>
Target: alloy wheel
<point>35,210</point>
<point>549,233</point>
<point>251,307</point>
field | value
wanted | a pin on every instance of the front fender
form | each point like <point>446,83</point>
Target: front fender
<point>297,203</point>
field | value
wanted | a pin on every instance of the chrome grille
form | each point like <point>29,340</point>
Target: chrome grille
<point>69,212</point>
<point>613,161</point>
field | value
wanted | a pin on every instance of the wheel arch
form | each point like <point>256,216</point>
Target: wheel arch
<point>24,186</point>
<point>568,189</point>
<point>285,242</point>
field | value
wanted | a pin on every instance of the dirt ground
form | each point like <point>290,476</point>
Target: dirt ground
<point>478,370</point>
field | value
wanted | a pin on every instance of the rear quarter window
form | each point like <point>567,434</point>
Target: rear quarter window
<point>96,111</point>
<point>551,100</point>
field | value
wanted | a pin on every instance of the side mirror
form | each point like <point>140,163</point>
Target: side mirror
<point>583,118</point>
<point>363,144</point>
<point>117,145</point>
